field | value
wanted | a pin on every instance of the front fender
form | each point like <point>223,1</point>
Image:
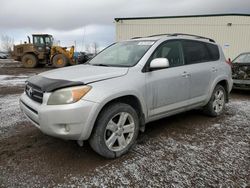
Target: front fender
<point>108,98</point>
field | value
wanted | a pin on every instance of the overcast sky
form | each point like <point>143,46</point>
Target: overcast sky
<point>93,21</point>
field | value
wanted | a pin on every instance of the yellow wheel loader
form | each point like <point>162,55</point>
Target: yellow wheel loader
<point>41,52</point>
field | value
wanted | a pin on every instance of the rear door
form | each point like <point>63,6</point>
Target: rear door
<point>202,68</point>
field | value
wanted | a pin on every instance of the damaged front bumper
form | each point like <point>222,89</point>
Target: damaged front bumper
<point>241,84</point>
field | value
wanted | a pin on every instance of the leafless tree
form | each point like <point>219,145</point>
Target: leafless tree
<point>7,43</point>
<point>88,48</point>
<point>92,48</point>
<point>95,47</point>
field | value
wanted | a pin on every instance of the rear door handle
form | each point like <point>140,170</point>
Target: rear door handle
<point>214,69</point>
<point>185,74</point>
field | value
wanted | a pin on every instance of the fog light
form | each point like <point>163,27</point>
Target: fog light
<point>67,128</point>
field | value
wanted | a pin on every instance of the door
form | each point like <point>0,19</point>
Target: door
<point>39,43</point>
<point>167,89</point>
<point>201,65</point>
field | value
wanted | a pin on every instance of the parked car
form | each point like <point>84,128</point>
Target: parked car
<point>110,99</point>
<point>3,56</point>
<point>83,57</point>
<point>241,71</point>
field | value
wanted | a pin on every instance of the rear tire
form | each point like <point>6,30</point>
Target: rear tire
<point>29,61</point>
<point>217,102</point>
<point>115,131</point>
<point>59,60</point>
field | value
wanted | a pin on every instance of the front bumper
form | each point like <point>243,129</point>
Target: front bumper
<point>241,84</point>
<point>71,121</point>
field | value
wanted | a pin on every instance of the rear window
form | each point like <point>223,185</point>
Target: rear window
<point>198,52</point>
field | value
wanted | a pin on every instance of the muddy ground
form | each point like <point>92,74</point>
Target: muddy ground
<point>185,150</point>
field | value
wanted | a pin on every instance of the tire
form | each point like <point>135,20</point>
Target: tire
<point>112,136</point>
<point>29,61</point>
<point>59,60</point>
<point>216,104</point>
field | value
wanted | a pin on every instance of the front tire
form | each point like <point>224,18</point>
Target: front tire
<point>60,60</point>
<point>115,131</point>
<point>217,102</point>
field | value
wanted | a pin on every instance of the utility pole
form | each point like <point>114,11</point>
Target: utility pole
<point>83,39</point>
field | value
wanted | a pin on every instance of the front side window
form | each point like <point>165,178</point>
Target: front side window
<point>122,54</point>
<point>172,51</point>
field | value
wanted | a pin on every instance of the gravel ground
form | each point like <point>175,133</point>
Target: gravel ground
<point>186,150</point>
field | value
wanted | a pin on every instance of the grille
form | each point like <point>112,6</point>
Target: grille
<point>34,93</point>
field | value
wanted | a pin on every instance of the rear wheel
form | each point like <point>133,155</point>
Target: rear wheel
<point>60,60</point>
<point>115,131</point>
<point>29,61</point>
<point>217,102</point>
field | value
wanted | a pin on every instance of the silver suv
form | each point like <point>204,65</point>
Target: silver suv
<point>110,99</point>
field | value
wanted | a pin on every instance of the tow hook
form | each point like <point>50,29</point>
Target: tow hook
<point>80,143</point>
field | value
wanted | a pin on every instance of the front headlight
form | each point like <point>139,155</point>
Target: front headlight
<point>68,95</point>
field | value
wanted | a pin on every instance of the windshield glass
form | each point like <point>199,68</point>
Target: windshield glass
<point>243,58</point>
<point>122,54</point>
<point>49,40</point>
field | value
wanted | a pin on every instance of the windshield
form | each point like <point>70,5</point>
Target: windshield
<point>243,58</point>
<point>49,40</point>
<point>122,54</point>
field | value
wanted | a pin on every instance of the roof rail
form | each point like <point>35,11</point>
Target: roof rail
<point>177,34</point>
<point>197,36</point>
<point>136,37</point>
<point>159,35</point>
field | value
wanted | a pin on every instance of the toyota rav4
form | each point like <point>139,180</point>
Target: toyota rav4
<point>108,100</point>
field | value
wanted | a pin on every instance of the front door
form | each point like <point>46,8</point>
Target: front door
<point>167,89</point>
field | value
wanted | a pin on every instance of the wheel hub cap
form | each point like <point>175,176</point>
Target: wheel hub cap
<point>219,101</point>
<point>119,131</point>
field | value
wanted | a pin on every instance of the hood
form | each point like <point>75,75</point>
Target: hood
<point>73,76</point>
<point>85,73</point>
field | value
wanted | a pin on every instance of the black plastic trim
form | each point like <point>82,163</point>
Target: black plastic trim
<point>49,85</point>
<point>31,109</point>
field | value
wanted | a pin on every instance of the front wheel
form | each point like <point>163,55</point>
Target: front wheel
<point>60,60</point>
<point>217,102</point>
<point>115,131</point>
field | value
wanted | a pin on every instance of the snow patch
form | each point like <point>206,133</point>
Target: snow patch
<point>10,113</point>
<point>8,80</point>
<point>201,159</point>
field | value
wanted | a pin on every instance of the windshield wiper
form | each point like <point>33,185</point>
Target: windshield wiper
<point>100,64</point>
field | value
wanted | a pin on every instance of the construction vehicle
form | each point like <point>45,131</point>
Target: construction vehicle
<point>41,51</point>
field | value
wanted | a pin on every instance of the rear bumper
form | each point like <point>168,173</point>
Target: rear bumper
<point>241,84</point>
<point>72,121</point>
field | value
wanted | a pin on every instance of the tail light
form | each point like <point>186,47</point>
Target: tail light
<point>229,62</point>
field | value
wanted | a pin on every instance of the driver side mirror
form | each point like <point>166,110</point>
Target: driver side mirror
<point>159,63</point>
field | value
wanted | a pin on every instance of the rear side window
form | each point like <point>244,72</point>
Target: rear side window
<point>198,52</point>
<point>213,51</point>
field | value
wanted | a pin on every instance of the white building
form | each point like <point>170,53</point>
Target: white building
<point>231,31</point>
